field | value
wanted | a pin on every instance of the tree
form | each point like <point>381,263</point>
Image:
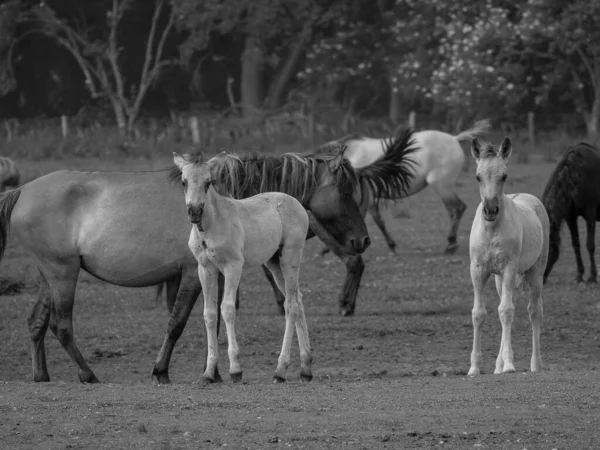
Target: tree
<point>9,14</point>
<point>564,39</point>
<point>274,34</point>
<point>99,54</point>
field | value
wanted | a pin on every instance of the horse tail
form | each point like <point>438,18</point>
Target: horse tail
<point>479,128</point>
<point>390,176</point>
<point>8,201</point>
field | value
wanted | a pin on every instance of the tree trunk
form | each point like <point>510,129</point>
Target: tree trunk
<point>121,117</point>
<point>395,106</point>
<point>287,71</point>
<point>252,89</point>
<point>593,118</point>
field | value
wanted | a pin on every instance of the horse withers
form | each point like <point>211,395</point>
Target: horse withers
<point>268,228</point>
<point>573,191</point>
<point>509,238</point>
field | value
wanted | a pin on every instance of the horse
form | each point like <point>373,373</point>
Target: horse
<point>269,229</point>
<point>9,174</point>
<point>68,221</point>
<point>509,238</point>
<point>438,162</point>
<point>573,190</point>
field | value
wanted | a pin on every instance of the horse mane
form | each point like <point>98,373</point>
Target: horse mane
<point>294,174</point>
<point>487,150</point>
<point>563,185</point>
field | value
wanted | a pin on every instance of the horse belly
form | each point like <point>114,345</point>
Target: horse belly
<point>532,243</point>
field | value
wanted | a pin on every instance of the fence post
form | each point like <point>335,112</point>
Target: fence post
<point>64,126</point>
<point>531,127</point>
<point>412,119</point>
<point>195,130</point>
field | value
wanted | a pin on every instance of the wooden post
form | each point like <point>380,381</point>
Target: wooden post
<point>195,130</point>
<point>412,119</point>
<point>531,128</point>
<point>64,126</point>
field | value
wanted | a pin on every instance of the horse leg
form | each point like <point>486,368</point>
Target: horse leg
<point>499,358</point>
<point>536,314</point>
<point>38,325</point>
<point>456,208</point>
<point>172,289</point>
<point>233,273</point>
<point>354,271</point>
<point>376,215</point>
<point>279,297</point>
<point>478,314</point>
<point>590,221</point>
<point>209,280</point>
<point>506,311</point>
<point>62,281</point>
<point>186,299</point>
<point>553,250</point>
<point>572,224</point>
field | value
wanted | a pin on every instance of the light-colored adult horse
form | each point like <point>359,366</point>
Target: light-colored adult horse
<point>9,174</point>
<point>438,161</point>
<point>269,229</point>
<point>510,239</point>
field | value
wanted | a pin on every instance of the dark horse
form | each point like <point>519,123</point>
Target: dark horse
<point>573,190</point>
<point>131,229</point>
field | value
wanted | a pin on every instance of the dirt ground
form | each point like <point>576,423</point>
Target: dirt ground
<point>392,376</point>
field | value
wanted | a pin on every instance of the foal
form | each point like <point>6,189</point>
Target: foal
<point>268,229</point>
<point>509,238</point>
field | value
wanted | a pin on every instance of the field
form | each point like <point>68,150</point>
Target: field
<point>392,376</point>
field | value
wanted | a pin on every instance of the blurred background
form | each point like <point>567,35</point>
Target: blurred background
<point>145,77</point>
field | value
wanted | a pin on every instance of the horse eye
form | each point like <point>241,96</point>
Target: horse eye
<point>477,177</point>
<point>184,183</point>
<point>503,178</point>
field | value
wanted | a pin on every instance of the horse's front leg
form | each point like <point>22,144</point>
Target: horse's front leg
<point>233,273</point>
<point>572,224</point>
<point>354,266</point>
<point>376,215</point>
<point>506,311</point>
<point>479,276</point>
<point>208,275</point>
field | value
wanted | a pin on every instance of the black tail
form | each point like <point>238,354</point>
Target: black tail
<point>7,204</point>
<point>390,176</point>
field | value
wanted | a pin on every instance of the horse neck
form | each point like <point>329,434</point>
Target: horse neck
<point>215,206</point>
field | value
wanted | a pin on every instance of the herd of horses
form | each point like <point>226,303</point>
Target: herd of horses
<point>203,219</point>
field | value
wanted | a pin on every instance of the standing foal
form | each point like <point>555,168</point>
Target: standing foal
<point>268,229</point>
<point>509,238</point>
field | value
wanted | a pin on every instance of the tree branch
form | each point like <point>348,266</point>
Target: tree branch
<point>588,66</point>
<point>112,52</point>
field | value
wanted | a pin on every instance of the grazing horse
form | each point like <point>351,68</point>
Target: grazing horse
<point>9,174</point>
<point>268,228</point>
<point>509,238</point>
<point>573,190</point>
<point>68,221</point>
<point>438,160</point>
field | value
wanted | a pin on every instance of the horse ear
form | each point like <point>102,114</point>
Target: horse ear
<point>179,160</point>
<point>475,148</point>
<point>505,148</point>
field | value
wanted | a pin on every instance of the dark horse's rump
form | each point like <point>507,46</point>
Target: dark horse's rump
<point>573,190</point>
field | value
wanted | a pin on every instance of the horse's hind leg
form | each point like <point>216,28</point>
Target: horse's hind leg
<point>376,215</point>
<point>279,297</point>
<point>37,321</point>
<point>572,224</point>
<point>590,221</point>
<point>456,208</point>
<point>62,281</point>
<point>536,314</point>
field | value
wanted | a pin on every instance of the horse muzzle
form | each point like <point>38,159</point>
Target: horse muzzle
<point>360,245</point>
<point>490,213</point>
<point>195,213</point>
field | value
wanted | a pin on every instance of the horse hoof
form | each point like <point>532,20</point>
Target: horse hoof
<point>205,381</point>
<point>591,280</point>
<point>346,312</point>
<point>236,377</point>
<point>88,378</point>
<point>451,249</point>
<point>392,246</point>
<point>217,378</point>
<point>306,376</point>
<point>161,377</point>
<point>277,379</point>
<point>43,378</point>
